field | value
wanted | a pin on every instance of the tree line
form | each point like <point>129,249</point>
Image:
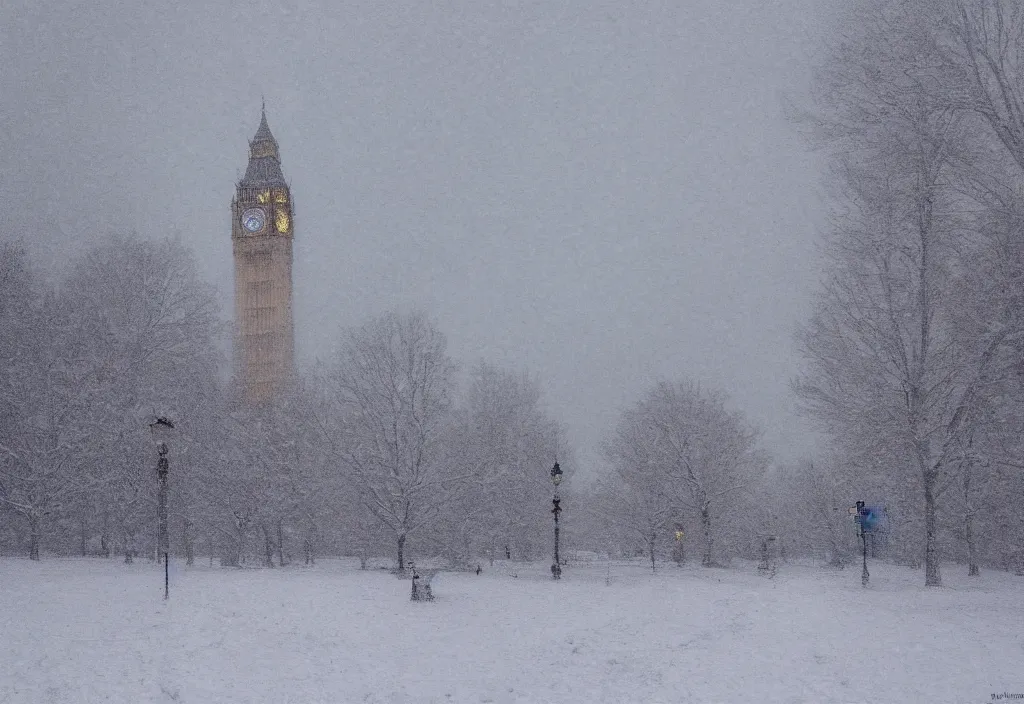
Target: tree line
<point>379,449</point>
<point>385,449</point>
<point>913,357</point>
<point>914,351</point>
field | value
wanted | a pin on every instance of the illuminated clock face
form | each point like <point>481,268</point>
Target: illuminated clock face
<point>253,219</point>
<point>282,220</point>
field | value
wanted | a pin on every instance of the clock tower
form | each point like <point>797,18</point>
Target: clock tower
<point>262,227</point>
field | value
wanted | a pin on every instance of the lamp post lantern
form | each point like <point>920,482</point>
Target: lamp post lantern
<point>161,429</point>
<point>556,479</point>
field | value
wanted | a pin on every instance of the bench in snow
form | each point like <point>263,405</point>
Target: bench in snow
<point>421,584</point>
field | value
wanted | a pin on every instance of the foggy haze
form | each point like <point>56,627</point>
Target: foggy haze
<point>604,193</point>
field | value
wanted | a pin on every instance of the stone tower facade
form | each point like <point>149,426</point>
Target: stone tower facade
<point>262,228</point>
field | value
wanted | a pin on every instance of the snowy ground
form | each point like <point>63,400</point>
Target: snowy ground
<point>95,630</point>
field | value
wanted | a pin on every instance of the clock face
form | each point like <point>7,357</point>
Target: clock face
<point>253,219</point>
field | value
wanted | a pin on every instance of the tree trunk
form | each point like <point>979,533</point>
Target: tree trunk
<point>705,523</point>
<point>105,535</point>
<point>932,575</point>
<point>129,548</point>
<point>83,535</point>
<point>401,552</point>
<point>280,543</point>
<point>309,542</point>
<point>268,548</point>
<point>650,544</point>
<point>972,559</point>
<point>188,541</point>
<point>467,547</point>
<point>33,544</point>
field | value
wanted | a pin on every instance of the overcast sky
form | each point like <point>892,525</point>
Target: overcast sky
<point>603,192</point>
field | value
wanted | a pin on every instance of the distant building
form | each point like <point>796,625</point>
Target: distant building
<point>262,228</point>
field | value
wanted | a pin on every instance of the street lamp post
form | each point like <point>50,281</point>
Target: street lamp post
<point>556,479</point>
<point>862,513</point>
<point>161,428</point>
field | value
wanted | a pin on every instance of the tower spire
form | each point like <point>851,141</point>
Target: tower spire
<point>264,157</point>
<point>263,133</point>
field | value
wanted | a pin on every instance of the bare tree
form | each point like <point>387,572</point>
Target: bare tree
<point>42,400</point>
<point>979,45</point>
<point>506,445</point>
<point>393,384</point>
<point>682,444</point>
<point>821,494</point>
<point>635,507</point>
<point>146,330</point>
<point>888,374</point>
